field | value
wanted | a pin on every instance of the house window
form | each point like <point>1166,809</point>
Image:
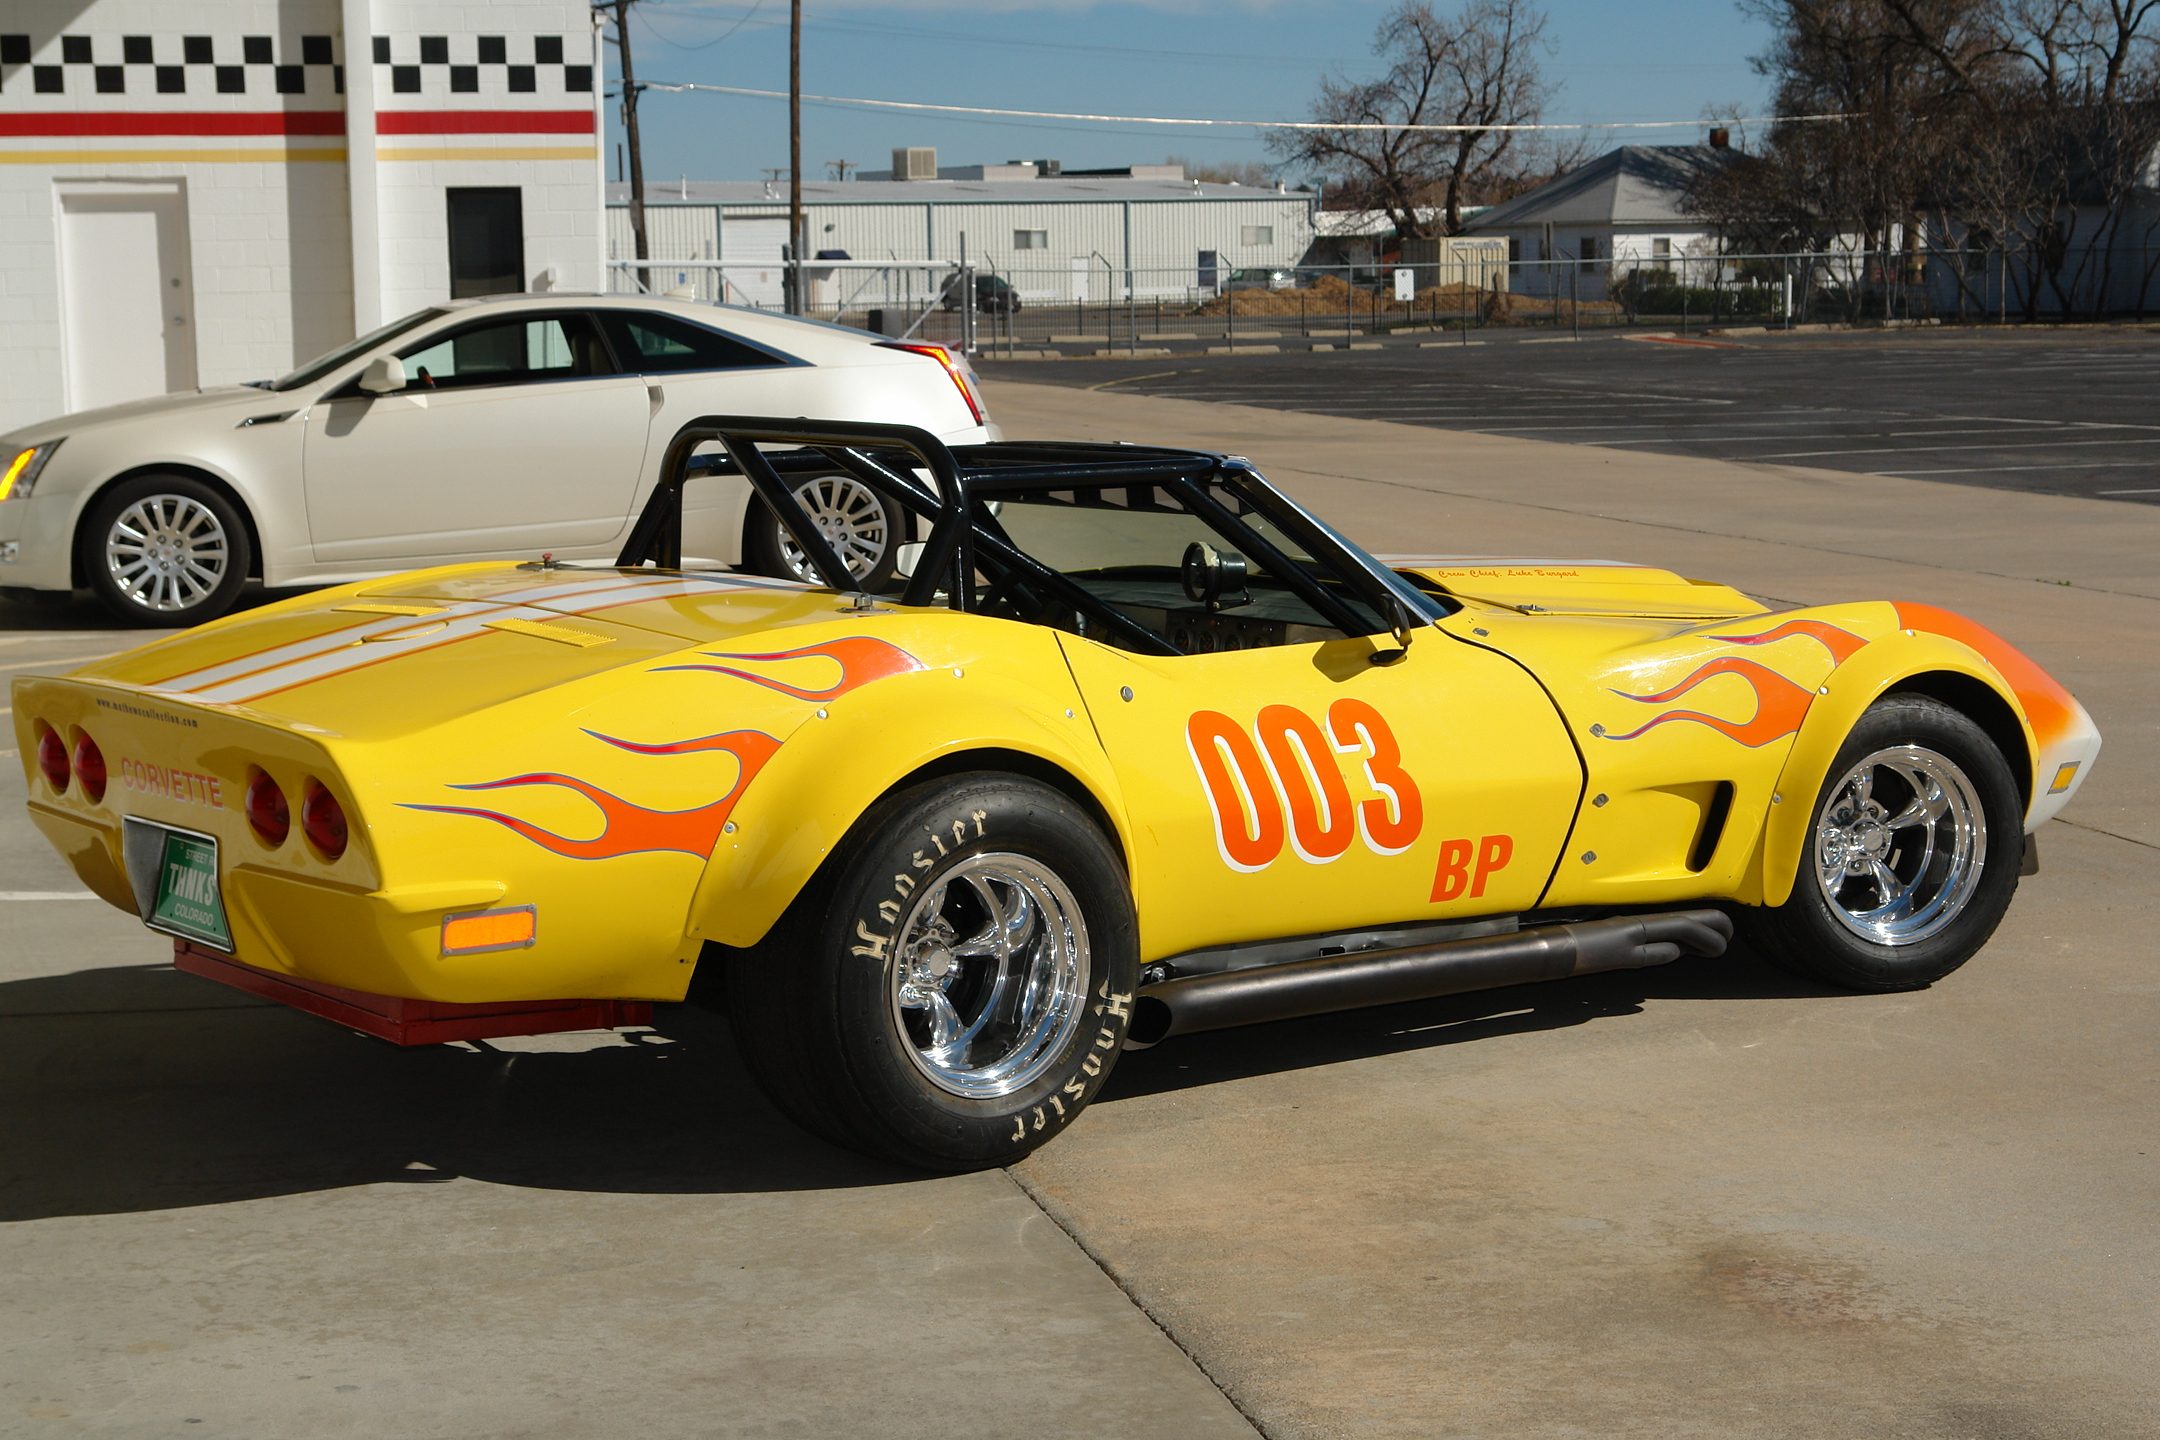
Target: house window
<point>487,242</point>
<point>1031,239</point>
<point>1257,235</point>
<point>1661,254</point>
<point>1588,253</point>
<point>1514,254</point>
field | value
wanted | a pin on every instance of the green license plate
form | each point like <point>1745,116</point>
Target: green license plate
<point>188,902</point>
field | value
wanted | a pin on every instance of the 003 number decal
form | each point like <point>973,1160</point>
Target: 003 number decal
<point>1282,783</point>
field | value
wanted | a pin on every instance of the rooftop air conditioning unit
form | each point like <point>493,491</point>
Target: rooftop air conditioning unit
<point>914,162</point>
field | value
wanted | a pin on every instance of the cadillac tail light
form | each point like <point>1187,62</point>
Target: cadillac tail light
<point>52,760</point>
<point>90,768</point>
<point>267,811</point>
<point>322,820</point>
<point>954,370</point>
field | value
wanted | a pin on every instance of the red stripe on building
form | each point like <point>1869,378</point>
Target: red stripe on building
<point>484,122</point>
<point>176,122</point>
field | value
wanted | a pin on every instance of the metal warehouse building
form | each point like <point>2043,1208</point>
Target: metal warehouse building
<point>1054,237</point>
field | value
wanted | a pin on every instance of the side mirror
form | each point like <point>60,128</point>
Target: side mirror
<point>384,374</point>
<point>1399,624</point>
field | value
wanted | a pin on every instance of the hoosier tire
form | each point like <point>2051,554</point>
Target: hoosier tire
<point>954,988</point>
<point>1911,858</point>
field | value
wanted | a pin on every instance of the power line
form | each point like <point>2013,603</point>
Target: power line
<point>1239,124</point>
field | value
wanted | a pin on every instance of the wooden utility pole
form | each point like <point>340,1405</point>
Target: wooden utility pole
<point>794,126</point>
<point>629,110</point>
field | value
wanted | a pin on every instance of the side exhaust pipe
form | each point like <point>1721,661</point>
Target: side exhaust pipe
<point>1419,972</point>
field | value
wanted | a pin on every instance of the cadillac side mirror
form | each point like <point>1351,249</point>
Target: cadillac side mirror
<point>384,374</point>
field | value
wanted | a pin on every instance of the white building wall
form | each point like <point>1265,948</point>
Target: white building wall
<point>265,171</point>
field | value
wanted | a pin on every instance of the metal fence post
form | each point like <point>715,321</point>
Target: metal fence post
<point>1575,301</point>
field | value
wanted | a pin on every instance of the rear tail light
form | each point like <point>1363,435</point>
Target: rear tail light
<point>267,811</point>
<point>512,928</point>
<point>322,820</point>
<point>52,760</point>
<point>956,369</point>
<point>90,768</point>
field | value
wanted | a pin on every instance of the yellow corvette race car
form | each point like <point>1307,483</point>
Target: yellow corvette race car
<point>1135,746</point>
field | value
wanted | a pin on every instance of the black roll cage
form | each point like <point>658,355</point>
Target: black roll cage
<point>965,537</point>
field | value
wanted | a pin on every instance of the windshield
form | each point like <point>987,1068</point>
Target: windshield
<point>322,365</point>
<point>1203,568</point>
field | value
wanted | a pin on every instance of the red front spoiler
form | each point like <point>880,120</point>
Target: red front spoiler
<point>412,1022</point>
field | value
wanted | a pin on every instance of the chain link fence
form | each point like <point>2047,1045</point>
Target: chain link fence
<point>1093,306</point>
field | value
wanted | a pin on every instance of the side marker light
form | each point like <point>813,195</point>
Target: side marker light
<point>2064,774</point>
<point>509,929</point>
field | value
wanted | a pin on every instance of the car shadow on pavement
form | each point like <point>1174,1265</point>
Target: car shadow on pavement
<point>78,612</point>
<point>1187,1061</point>
<point>140,1088</point>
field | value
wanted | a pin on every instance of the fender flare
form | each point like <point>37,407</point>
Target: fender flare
<point>792,819</point>
<point>1911,659</point>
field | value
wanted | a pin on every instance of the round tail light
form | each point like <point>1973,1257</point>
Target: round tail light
<point>90,768</point>
<point>52,760</point>
<point>267,812</point>
<point>322,820</point>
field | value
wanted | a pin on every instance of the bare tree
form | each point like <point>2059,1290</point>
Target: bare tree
<point>1476,68</point>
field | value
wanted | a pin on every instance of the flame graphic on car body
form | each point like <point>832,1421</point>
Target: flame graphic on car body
<point>861,659</point>
<point>632,829</point>
<point>1780,704</point>
<point>1840,643</point>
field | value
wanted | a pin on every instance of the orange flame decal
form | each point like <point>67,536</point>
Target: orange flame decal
<point>2049,709</point>
<point>635,829</point>
<point>861,660</point>
<point>1840,643</point>
<point>1780,705</point>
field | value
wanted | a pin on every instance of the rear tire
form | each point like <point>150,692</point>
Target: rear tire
<point>165,550</point>
<point>1912,854</point>
<point>954,987</point>
<point>861,524</point>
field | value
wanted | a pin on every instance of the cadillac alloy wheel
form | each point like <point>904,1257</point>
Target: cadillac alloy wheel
<point>165,550</point>
<point>862,526</point>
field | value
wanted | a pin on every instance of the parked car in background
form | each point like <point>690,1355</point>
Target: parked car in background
<point>1261,280</point>
<point>473,430</point>
<point>992,295</point>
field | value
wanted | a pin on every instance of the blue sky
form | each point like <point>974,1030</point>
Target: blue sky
<point>1196,58</point>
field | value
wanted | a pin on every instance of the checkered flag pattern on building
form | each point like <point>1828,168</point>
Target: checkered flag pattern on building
<point>293,65</point>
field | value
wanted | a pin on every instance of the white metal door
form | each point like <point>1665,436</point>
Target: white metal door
<point>127,298</point>
<point>1080,265</point>
<point>751,249</point>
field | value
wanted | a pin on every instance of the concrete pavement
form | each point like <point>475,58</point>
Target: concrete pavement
<point>1705,1200</point>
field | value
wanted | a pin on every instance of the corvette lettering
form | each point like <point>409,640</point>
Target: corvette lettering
<point>1283,783</point>
<point>185,786</point>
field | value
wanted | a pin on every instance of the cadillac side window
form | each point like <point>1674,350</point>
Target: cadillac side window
<point>661,344</point>
<point>508,352</point>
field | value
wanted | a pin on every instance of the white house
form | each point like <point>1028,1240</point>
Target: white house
<point>198,192</point>
<point>1626,208</point>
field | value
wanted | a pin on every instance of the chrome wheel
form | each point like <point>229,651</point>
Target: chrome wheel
<point>167,553</point>
<point>852,518</point>
<point>989,975</point>
<point>1900,845</point>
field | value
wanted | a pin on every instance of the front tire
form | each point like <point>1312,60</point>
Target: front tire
<point>858,522</point>
<point>1912,855</point>
<point>165,550</point>
<point>955,986</point>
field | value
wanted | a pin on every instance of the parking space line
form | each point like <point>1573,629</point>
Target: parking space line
<point>1924,449</point>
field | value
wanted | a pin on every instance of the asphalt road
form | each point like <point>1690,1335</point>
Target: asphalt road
<point>2050,411</point>
<point>1703,1202</point>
